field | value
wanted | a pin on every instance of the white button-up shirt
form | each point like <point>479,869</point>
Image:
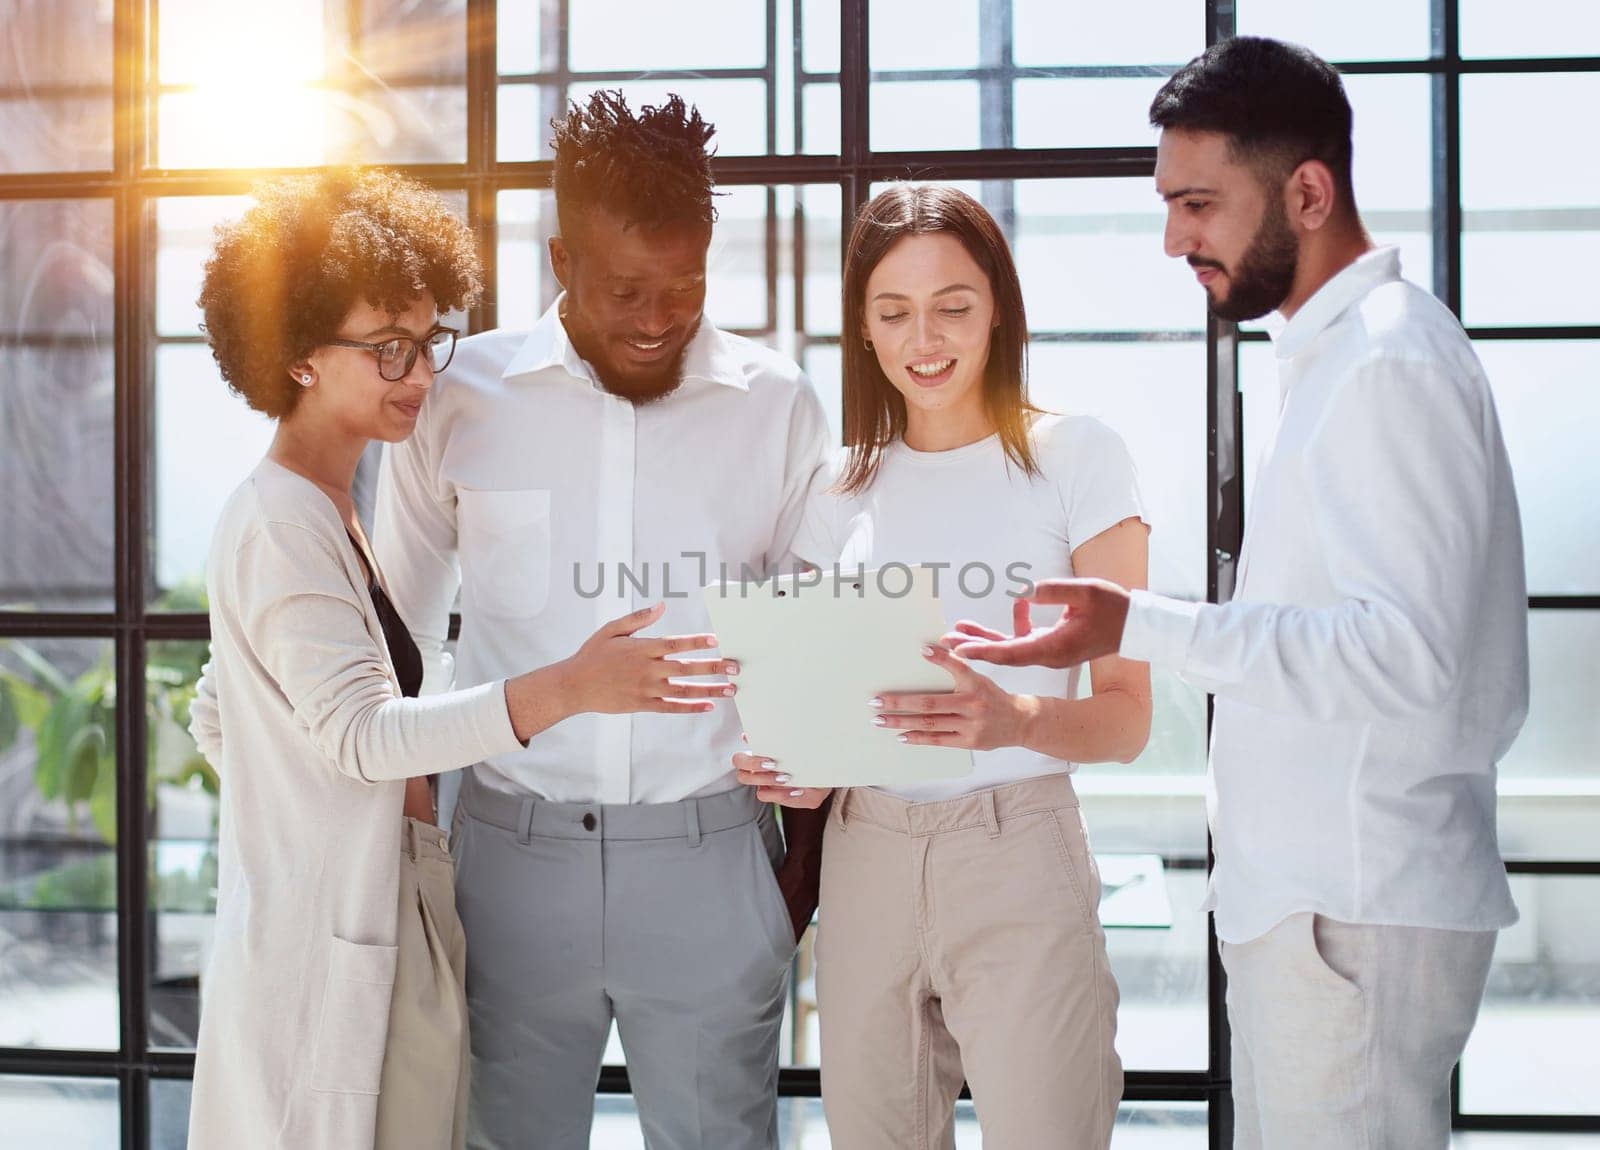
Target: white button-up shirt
<point>1373,665</point>
<point>556,506</point>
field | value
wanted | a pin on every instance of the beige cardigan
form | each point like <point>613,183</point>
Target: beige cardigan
<point>300,712</point>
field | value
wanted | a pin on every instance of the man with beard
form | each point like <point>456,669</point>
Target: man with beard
<point>1372,666</point>
<point>623,452</point>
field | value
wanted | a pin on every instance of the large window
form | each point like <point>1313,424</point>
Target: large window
<point>128,128</point>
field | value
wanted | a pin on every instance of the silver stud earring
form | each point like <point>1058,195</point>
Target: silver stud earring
<point>867,343</point>
<point>306,379</point>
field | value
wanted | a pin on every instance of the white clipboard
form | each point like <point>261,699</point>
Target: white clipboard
<point>812,650</point>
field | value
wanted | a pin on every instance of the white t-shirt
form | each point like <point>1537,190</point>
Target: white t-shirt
<point>988,531</point>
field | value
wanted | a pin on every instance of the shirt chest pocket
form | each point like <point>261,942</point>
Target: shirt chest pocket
<point>504,544</point>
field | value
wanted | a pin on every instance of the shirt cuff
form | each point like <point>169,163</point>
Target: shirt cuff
<point>1159,629</point>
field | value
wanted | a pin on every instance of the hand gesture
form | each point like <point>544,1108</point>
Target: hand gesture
<point>978,715</point>
<point>1090,627</point>
<point>772,785</point>
<point>615,673</point>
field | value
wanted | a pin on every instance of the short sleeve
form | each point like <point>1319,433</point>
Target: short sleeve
<point>1096,475</point>
<point>820,536</point>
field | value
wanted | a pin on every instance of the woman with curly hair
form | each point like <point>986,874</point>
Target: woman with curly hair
<point>334,1011</point>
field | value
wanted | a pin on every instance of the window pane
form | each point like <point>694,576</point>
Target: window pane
<point>822,364</point>
<point>1074,113</point>
<point>908,116</point>
<point>1017,102</point>
<point>307,82</point>
<point>1353,30</point>
<point>67,1113</point>
<point>820,22</point>
<point>1531,230</point>
<point>201,429</point>
<point>182,857</point>
<point>1154,396</point>
<point>1393,142</point>
<point>525,219</point>
<point>169,1113</point>
<point>1494,28</point>
<point>1550,780</point>
<point>1049,32</point>
<point>56,405</point>
<point>1155,935</point>
<point>1090,257</point>
<point>653,35</point>
<point>1549,407</point>
<point>543,64</point>
<point>1536,1048</point>
<point>922,34</point>
<point>58,886</point>
<point>55,86</point>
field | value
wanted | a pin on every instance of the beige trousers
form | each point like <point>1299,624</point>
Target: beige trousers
<point>422,1096</point>
<point>961,937</point>
<point>1344,1035</point>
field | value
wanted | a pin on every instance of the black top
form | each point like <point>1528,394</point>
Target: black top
<point>403,651</point>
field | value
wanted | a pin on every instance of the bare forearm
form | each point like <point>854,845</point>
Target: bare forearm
<point>1108,726</point>
<point>540,699</point>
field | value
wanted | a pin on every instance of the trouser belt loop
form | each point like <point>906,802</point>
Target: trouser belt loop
<point>991,817</point>
<point>525,822</point>
<point>841,803</point>
<point>691,820</point>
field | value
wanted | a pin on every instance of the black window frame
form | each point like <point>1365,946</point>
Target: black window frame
<point>133,187</point>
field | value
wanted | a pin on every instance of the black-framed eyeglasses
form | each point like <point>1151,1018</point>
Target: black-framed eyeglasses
<point>397,356</point>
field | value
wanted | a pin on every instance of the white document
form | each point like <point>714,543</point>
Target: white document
<point>813,650</point>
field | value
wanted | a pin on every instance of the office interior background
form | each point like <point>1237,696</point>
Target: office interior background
<point>128,128</point>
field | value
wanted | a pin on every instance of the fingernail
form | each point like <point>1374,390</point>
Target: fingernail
<point>730,668</point>
<point>901,739</point>
<point>796,794</point>
<point>879,721</point>
<point>927,652</point>
<point>874,702</point>
<point>727,690</point>
<point>781,779</point>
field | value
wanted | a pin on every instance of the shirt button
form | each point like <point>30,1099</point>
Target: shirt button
<point>588,822</point>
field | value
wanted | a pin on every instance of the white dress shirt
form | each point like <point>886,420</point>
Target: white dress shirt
<point>1373,665</point>
<point>528,486</point>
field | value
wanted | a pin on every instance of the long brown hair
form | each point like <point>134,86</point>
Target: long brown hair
<point>874,412</point>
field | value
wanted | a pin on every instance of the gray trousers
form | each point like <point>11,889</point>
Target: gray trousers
<point>665,917</point>
<point>1344,1034</point>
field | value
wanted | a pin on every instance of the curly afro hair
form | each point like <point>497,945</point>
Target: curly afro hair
<point>649,169</point>
<point>283,277</point>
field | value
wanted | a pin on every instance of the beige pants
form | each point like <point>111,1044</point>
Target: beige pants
<point>422,1096</point>
<point>962,937</point>
<point>1344,1035</point>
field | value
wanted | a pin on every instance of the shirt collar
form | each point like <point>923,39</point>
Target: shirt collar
<point>708,359</point>
<point>1330,301</point>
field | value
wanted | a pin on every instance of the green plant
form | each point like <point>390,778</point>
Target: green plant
<point>74,722</point>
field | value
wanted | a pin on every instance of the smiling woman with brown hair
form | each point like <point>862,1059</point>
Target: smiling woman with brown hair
<point>334,1014</point>
<point>960,934</point>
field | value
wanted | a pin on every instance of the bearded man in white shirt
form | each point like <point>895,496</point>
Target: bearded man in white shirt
<point>625,451</point>
<point>1372,665</point>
